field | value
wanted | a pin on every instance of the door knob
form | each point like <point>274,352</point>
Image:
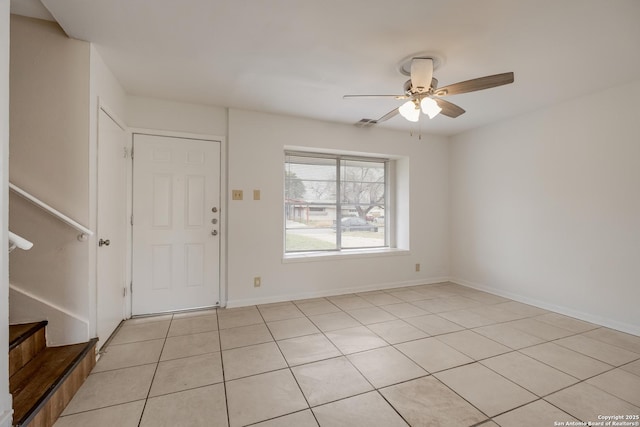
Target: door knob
<point>214,233</point>
<point>104,242</point>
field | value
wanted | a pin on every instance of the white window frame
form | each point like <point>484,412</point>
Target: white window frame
<point>389,238</point>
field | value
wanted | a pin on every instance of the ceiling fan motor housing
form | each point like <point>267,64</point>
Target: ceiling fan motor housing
<point>408,89</point>
<point>421,74</point>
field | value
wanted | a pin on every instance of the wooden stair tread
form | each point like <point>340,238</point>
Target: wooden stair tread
<point>19,333</point>
<point>36,381</point>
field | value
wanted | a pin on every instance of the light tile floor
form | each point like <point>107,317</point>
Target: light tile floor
<point>432,355</point>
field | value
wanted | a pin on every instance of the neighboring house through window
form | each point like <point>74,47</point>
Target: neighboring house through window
<point>335,202</point>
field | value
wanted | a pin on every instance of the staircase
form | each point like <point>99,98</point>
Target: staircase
<point>42,379</point>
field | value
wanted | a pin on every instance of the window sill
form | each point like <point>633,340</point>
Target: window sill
<point>344,254</point>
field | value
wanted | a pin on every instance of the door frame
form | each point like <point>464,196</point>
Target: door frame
<point>223,207</point>
<point>102,107</point>
<point>93,211</point>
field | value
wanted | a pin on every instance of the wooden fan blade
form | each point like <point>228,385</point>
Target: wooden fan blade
<point>449,109</point>
<point>375,96</point>
<point>389,115</point>
<point>367,123</point>
<point>476,84</point>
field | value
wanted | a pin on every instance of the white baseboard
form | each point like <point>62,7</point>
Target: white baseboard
<point>567,311</point>
<point>587,317</point>
<point>6,418</point>
<point>331,292</point>
<point>63,327</point>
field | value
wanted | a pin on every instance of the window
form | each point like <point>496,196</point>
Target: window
<point>334,202</point>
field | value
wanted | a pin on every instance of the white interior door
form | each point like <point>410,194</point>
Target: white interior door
<point>176,213</point>
<point>112,226</point>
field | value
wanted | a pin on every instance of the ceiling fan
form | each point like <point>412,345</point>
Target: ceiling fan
<point>423,94</point>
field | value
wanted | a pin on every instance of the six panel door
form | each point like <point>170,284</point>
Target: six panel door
<point>176,212</point>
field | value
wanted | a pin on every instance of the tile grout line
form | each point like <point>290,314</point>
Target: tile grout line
<point>347,356</point>
<point>168,360</point>
<point>375,389</point>
<point>343,355</point>
<point>508,352</point>
<point>146,400</point>
<point>378,390</point>
<point>224,380</point>
<point>289,368</point>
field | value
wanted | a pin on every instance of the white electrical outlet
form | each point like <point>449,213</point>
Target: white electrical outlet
<point>417,267</point>
<point>257,281</point>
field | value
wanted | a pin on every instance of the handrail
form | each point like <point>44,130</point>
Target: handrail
<point>56,213</point>
<point>18,242</point>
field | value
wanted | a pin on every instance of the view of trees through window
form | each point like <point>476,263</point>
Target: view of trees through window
<point>322,191</point>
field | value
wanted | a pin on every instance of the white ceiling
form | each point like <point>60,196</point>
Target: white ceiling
<point>299,57</point>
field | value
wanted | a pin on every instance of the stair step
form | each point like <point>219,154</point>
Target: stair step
<point>25,342</point>
<point>44,386</point>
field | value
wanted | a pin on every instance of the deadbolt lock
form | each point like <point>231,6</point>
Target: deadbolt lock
<point>214,233</point>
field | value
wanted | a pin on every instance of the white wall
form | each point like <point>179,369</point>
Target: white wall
<point>49,158</point>
<point>49,107</point>
<point>545,208</point>
<point>255,238</point>
<point>255,147</point>
<point>5,397</point>
<point>104,89</point>
<point>159,114</point>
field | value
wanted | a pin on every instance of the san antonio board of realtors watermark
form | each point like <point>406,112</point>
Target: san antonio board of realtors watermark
<point>605,421</point>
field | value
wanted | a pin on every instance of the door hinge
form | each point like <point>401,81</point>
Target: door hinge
<point>131,152</point>
<point>124,292</point>
<point>131,219</point>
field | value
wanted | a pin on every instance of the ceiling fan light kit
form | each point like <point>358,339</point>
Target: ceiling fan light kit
<point>410,111</point>
<point>423,94</point>
<point>430,107</point>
